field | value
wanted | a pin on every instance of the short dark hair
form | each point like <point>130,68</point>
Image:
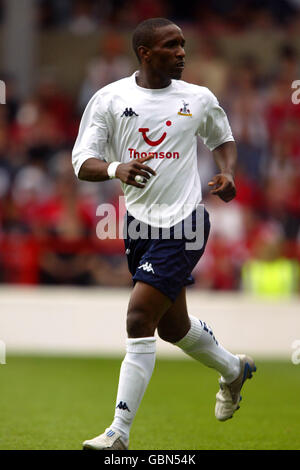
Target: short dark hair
<point>143,34</point>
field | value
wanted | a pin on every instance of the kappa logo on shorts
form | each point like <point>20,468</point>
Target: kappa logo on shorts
<point>147,267</point>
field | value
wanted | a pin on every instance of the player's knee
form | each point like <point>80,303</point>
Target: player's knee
<point>168,336</point>
<point>139,324</point>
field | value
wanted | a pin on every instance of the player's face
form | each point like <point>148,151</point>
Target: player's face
<point>167,55</point>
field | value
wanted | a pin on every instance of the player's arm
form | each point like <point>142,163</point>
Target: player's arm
<point>94,169</point>
<point>88,155</point>
<point>223,185</point>
<point>216,134</point>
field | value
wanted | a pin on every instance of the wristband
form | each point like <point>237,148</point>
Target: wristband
<point>111,169</point>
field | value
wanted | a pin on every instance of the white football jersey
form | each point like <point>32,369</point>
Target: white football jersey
<point>124,121</point>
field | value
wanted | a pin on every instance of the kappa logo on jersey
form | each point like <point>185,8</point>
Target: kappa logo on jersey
<point>147,267</point>
<point>129,113</point>
<point>123,406</point>
<point>184,111</point>
<point>153,143</point>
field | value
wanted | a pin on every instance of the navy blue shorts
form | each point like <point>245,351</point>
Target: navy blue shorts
<point>166,264</point>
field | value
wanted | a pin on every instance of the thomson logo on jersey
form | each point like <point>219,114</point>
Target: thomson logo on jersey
<point>153,143</point>
<point>123,406</point>
<point>129,112</point>
<point>147,267</point>
<point>133,153</point>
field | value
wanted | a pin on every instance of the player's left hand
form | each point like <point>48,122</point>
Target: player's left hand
<point>224,186</point>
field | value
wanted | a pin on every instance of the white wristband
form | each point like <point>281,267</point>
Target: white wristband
<point>111,169</point>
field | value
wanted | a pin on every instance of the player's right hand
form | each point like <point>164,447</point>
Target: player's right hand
<point>126,172</point>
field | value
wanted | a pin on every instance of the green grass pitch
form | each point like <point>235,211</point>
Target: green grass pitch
<point>56,403</point>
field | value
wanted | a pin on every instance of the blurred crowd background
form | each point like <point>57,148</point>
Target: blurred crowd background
<point>246,52</point>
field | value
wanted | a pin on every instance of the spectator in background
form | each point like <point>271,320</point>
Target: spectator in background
<point>207,67</point>
<point>55,101</point>
<point>246,110</point>
<point>268,273</point>
<point>128,13</point>
<point>83,20</point>
<point>221,266</point>
<point>67,224</point>
<point>111,65</point>
<point>11,98</point>
<point>284,205</point>
<point>287,67</point>
<point>4,130</point>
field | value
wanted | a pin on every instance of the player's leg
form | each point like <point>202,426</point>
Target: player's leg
<point>197,340</point>
<point>175,323</point>
<point>147,305</point>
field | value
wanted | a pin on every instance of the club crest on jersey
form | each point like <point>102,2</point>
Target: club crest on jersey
<point>184,111</point>
<point>129,112</point>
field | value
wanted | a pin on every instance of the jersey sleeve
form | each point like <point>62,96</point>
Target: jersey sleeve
<point>93,134</point>
<point>214,130</point>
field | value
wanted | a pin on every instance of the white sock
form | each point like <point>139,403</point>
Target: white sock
<point>200,343</point>
<point>135,373</point>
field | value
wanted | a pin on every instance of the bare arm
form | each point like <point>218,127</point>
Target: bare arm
<point>93,169</point>
<point>225,157</point>
<point>96,170</point>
